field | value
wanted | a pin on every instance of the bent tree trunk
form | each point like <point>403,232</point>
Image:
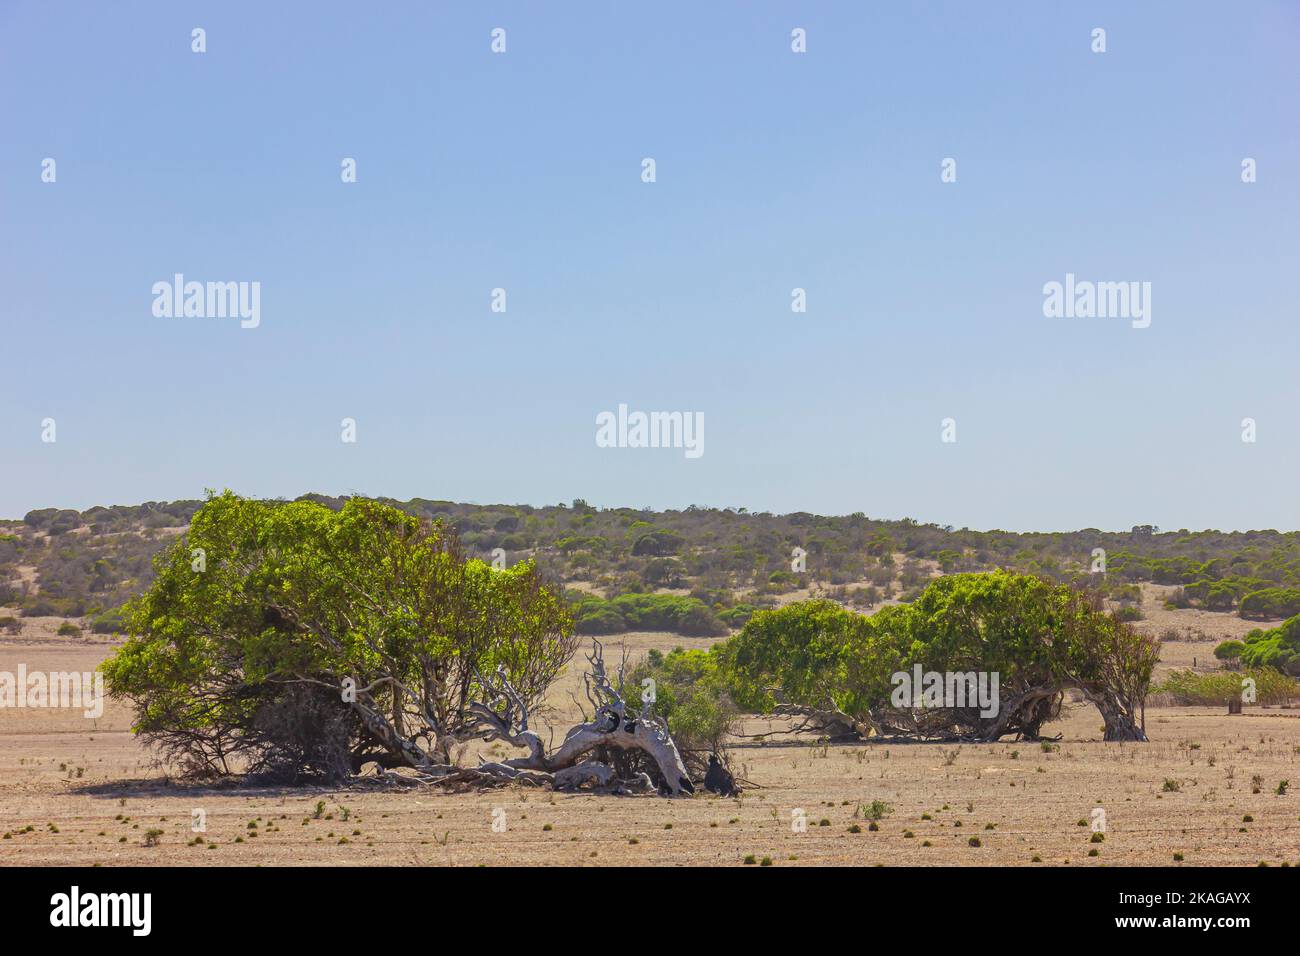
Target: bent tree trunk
<point>504,716</point>
<point>1121,722</point>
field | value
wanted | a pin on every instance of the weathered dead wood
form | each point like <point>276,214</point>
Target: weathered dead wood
<point>611,726</point>
<point>503,714</point>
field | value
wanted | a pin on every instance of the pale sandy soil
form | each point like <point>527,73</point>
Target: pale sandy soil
<point>94,783</point>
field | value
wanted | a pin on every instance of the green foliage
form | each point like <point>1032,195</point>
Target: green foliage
<point>1217,688</point>
<point>53,521</point>
<point>68,629</point>
<point>108,622</point>
<point>1031,632</point>
<point>719,548</point>
<point>736,616</point>
<point>692,695</point>
<point>1271,602</point>
<point>802,654</point>
<point>246,657</point>
<point>646,612</point>
<point>1229,650</point>
<point>658,543</point>
<point>665,573</point>
<point>1278,647</point>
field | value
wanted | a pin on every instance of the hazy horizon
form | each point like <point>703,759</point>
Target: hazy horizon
<point>920,520</point>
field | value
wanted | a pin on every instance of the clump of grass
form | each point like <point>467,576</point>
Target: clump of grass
<point>1171,785</point>
<point>854,828</point>
<point>151,837</point>
<point>1093,852</point>
<point>1097,837</point>
<point>750,860</point>
<point>319,811</point>
<point>974,841</point>
<point>1178,858</point>
<point>766,861</point>
<point>875,810</point>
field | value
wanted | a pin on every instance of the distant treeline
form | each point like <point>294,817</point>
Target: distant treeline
<point>726,561</point>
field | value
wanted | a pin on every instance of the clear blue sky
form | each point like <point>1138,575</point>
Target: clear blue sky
<point>775,170</point>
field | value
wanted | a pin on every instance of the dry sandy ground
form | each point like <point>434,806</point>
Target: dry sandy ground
<point>89,794</point>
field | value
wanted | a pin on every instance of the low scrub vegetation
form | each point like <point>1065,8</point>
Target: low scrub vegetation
<point>87,564</point>
<point>646,612</point>
<point>1188,687</point>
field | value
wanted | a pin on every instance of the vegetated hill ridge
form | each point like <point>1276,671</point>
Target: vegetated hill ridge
<point>729,561</point>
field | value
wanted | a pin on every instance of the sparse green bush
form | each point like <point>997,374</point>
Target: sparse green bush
<point>108,622</point>
<point>1229,650</point>
<point>1278,647</point>
<point>692,695</point>
<point>1271,602</point>
<point>646,612</point>
<point>1188,687</point>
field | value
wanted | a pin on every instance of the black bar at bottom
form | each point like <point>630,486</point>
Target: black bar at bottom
<point>301,905</point>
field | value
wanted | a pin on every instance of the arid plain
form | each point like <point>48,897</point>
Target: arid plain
<point>1205,788</point>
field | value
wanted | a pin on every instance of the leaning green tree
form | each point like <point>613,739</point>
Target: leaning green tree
<point>839,670</point>
<point>290,640</point>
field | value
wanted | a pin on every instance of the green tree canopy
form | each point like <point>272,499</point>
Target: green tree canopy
<point>264,614</point>
<point>1036,636</point>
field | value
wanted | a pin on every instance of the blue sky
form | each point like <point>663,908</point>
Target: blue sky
<point>775,170</point>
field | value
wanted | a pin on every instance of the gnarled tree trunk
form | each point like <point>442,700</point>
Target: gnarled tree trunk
<point>503,715</point>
